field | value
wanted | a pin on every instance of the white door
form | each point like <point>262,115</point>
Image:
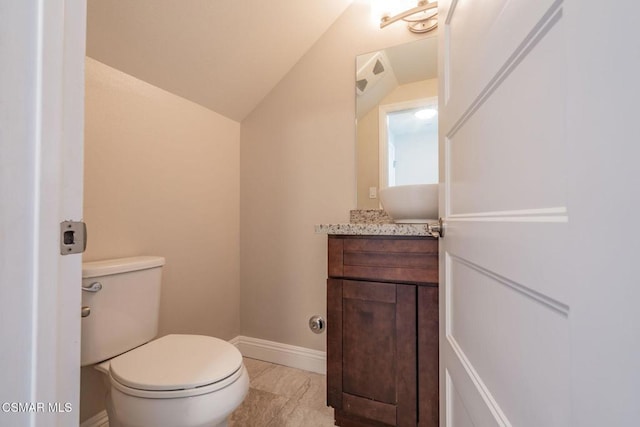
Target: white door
<point>41,132</point>
<point>540,283</point>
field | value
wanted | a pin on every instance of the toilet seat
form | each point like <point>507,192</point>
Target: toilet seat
<point>176,366</point>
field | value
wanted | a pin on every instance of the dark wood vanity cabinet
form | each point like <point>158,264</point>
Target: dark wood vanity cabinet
<point>382,330</point>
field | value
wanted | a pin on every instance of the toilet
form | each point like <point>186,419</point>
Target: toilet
<point>172,381</point>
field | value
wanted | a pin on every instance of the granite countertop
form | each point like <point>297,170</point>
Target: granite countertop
<point>373,222</point>
<point>374,229</point>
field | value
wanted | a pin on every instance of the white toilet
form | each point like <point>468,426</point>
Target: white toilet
<point>173,381</point>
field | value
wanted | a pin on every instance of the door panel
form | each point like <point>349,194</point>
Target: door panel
<point>480,38</point>
<point>372,351</point>
<point>543,272</point>
<point>369,344</point>
<point>334,342</point>
<point>497,140</point>
<point>459,415</point>
<point>41,131</point>
<point>506,298</point>
<point>516,344</point>
<point>428,365</point>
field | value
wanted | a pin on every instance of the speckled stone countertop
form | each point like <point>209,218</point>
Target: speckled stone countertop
<point>373,222</point>
<point>374,229</point>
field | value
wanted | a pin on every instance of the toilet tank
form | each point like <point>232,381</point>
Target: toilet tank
<point>124,311</point>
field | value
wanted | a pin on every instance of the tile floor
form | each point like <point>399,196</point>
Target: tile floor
<point>280,396</point>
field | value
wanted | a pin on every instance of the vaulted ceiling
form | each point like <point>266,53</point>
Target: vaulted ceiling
<point>226,55</point>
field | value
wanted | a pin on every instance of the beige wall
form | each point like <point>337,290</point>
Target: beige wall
<point>298,168</point>
<point>168,177</point>
<point>368,159</point>
<point>162,178</point>
<point>367,139</point>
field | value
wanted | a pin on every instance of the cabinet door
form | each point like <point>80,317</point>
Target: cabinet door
<point>372,344</point>
<point>428,356</point>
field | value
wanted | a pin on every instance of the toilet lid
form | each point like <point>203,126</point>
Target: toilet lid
<point>176,362</point>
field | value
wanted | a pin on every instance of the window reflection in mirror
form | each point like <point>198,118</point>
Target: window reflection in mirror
<point>394,147</point>
<point>408,142</point>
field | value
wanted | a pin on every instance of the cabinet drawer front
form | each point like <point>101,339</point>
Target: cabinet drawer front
<point>412,260</point>
<point>381,259</point>
<point>391,245</point>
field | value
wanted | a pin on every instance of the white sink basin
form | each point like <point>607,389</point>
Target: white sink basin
<point>416,203</point>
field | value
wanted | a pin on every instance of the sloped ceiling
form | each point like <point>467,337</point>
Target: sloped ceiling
<point>223,54</point>
<point>408,63</point>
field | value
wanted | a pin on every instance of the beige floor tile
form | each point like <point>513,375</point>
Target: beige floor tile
<point>256,367</point>
<point>314,394</point>
<point>282,380</point>
<point>258,409</point>
<point>293,415</point>
<point>280,396</point>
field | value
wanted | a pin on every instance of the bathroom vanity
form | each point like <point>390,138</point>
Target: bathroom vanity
<point>382,327</point>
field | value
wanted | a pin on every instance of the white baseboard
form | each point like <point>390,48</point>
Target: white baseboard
<point>282,354</point>
<point>99,420</point>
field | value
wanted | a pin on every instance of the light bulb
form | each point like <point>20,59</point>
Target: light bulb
<point>426,113</point>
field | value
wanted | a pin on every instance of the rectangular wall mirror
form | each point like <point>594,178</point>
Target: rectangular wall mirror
<point>397,118</point>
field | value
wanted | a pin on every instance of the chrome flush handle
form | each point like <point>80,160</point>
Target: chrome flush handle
<point>94,287</point>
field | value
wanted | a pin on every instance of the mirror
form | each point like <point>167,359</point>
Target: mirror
<point>397,121</point>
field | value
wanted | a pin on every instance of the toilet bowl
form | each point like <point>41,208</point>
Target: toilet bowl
<point>172,381</point>
<point>176,380</point>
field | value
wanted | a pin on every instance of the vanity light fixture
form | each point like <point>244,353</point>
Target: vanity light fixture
<point>421,19</point>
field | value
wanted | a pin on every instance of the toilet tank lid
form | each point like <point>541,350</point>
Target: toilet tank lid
<point>120,265</point>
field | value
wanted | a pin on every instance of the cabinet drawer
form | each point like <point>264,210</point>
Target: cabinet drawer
<point>386,258</point>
